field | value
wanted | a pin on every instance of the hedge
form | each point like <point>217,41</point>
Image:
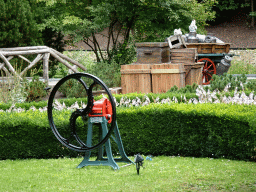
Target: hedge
<point>202,130</point>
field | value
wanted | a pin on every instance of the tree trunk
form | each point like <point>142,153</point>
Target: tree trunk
<point>252,10</point>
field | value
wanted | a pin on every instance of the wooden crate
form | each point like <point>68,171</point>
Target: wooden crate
<point>165,76</point>
<point>153,53</point>
<point>204,48</point>
<point>176,41</point>
<point>136,78</point>
<point>185,56</point>
<point>194,75</point>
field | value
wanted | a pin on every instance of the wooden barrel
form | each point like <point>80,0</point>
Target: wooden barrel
<point>194,75</point>
<point>165,76</point>
<point>136,78</point>
<point>184,56</point>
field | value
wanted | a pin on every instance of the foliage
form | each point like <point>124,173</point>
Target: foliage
<point>225,8</point>
<point>12,90</point>
<point>18,26</point>
<point>73,88</point>
<point>18,90</point>
<point>109,73</point>
<point>187,89</point>
<point>147,20</point>
<point>251,85</point>
<point>35,89</point>
<point>203,130</point>
<point>220,82</point>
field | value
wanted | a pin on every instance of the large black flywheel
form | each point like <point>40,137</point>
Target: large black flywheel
<point>70,125</point>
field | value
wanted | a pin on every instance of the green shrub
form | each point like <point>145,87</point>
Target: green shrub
<point>187,89</point>
<point>35,89</point>
<point>191,130</point>
<point>72,88</point>
<point>109,73</point>
<point>202,130</point>
<point>251,85</point>
<point>220,82</point>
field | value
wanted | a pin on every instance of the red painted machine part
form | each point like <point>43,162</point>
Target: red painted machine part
<point>102,108</point>
<point>208,70</point>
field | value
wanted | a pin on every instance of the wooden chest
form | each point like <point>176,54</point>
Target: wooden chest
<point>165,76</point>
<point>185,56</point>
<point>136,78</point>
<point>153,52</point>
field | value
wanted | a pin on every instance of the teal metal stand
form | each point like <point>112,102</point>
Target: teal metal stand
<point>110,160</point>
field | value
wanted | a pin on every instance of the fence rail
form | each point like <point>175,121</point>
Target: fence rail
<point>42,52</point>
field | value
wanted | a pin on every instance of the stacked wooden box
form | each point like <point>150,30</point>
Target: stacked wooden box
<point>193,69</point>
<point>155,71</point>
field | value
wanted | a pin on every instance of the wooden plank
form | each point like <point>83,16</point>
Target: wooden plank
<point>24,48</point>
<point>62,61</point>
<point>213,48</point>
<point>199,48</point>
<point>46,67</point>
<point>182,59</point>
<point>8,59</point>
<point>163,71</point>
<point>136,71</point>
<point>162,82</point>
<point>32,64</point>
<point>28,52</point>
<point>24,58</point>
<point>8,64</point>
<point>185,54</point>
<point>227,48</point>
<point>152,44</point>
<point>185,62</point>
<point>136,82</point>
<point>187,50</point>
<point>195,74</point>
<point>69,59</point>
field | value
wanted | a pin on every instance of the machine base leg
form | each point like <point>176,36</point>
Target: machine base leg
<point>110,160</point>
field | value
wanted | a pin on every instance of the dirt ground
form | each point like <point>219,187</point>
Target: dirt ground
<point>236,32</point>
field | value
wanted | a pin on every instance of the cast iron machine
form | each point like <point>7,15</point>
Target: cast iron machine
<point>75,129</point>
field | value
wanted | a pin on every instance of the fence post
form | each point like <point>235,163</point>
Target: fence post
<point>46,67</point>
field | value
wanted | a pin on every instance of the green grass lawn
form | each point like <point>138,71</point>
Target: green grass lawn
<point>161,174</point>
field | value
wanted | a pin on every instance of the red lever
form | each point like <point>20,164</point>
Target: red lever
<point>102,108</point>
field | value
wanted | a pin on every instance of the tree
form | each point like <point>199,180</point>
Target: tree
<point>18,27</point>
<point>252,14</point>
<point>144,20</point>
<point>224,7</point>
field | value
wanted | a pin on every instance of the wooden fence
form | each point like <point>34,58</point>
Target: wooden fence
<point>42,52</point>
